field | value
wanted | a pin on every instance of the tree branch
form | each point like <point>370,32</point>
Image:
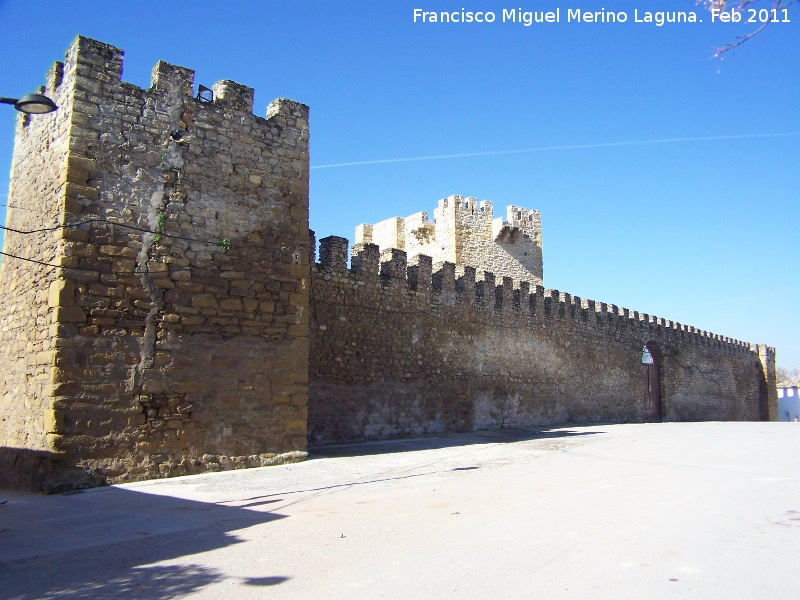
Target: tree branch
<point>741,5</point>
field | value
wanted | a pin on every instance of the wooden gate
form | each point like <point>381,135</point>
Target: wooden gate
<point>652,392</point>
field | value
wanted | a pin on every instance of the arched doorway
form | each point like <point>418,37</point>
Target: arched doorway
<point>651,374</point>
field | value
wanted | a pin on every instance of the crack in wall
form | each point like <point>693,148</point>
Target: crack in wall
<point>148,341</point>
<point>169,172</point>
<point>707,375</point>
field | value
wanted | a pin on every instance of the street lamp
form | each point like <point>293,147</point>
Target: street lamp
<point>35,104</point>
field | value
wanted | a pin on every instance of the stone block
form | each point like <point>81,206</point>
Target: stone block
<point>234,304</point>
<point>204,301</point>
<point>61,293</point>
<point>68,314</point>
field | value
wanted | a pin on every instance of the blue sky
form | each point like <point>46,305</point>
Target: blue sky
<point>703,231</point>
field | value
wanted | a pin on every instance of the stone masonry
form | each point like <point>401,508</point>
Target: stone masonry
<point>403,347</point>
<point>155,322</point>
<point>466,233</point>
<point>162,312</point>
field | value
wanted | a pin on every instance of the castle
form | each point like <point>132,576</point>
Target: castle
<point>465,232</point>
<point>163,311</point>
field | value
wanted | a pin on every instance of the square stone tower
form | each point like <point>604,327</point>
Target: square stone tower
<point>466,233</point>
<point>155,282</point>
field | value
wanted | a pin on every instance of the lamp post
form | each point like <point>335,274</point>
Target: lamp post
<point>35,104</point>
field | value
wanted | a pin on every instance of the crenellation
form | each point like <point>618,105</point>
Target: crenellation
<point>54,78</point>
<point>312,246</point>
<point>158,159</point>
<point>485,290</point>
<point>420,274</point>
<point>394,263</point>
<point>169,78</point>
<point>525,219</point>
<point>563,304</point>
<point>365,259</point>
<point>465,285</point>
<point>522,295</point>
<point>333,252</point>
<point>101,61</point>
<point>576,309</point>
<point>505,294</point>
<point>444,279</point>
<point>141,354</point>
<point>465,232</point>
<point>233,95</point>
<point>547,304</point>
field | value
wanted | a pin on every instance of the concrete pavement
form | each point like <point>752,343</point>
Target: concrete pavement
<point>669,510</point>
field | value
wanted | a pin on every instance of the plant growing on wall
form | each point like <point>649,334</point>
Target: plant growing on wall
<point>161,219</point>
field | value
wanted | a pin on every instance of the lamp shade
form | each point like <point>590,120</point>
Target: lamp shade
<point>35,104</point>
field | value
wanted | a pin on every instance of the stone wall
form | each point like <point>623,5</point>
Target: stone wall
<point>157,294</point>
<point>167,331</point>
<point>400,349</point>
<point>466,233</point>
<point>38,194</point>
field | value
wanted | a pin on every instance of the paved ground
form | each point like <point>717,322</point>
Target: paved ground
<point>697,510</point>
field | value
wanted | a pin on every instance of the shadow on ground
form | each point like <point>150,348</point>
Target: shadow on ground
<point>445,440</point>
<point>104,544</point>
<point>41,471</point>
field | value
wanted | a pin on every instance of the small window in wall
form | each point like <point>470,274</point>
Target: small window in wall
<point>647,358</point>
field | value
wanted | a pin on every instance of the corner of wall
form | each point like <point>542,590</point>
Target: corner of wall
<point>769,395</point>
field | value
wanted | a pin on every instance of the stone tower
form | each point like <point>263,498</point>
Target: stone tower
<point>466,233</point>
<point>155,283</point>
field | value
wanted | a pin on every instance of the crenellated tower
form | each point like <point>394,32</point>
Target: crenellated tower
<point>161,312</point>
<point>466,233</point>
<point>155,287</point>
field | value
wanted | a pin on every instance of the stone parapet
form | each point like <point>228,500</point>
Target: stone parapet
<point>452,350</point>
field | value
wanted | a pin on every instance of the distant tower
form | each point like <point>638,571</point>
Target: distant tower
<point>466,233</point>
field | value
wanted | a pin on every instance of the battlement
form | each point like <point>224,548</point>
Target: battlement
<point>516,217</point>
<point>444,283</point>
<point>524,219</point>
<point>92,64</point>
<point>466,232</point>
<point>185,271</point>
<point>467,204</point>
<point>175,323</point>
